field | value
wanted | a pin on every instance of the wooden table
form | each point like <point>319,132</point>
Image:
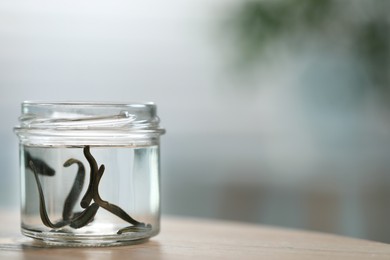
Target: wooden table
<point>202,239</point>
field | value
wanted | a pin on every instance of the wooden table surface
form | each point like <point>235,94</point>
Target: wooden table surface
<point>182,238</point>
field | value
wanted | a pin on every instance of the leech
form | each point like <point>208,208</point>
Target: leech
<point>75,192</point>
<point>40,166</point>
<point>85,217</point>
<point>111,207</point>
<point>148,227</point>
<point>94,189</point>
<point>86,200</point>
<point>81,219</point>
<point>42,206</point>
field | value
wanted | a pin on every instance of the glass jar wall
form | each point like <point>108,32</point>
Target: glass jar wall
<point>89,172</point>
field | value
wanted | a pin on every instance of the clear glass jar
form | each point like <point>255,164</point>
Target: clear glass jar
<point>89,172</point>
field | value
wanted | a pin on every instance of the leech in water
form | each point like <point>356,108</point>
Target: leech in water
<point>40,166</point>
<point>87,198</point>
<point>96,175</point>
<point>42,206</point>
<point>85,217</point>
<point>148,227</point>
<point>79,220</point>
<point>75,192</point>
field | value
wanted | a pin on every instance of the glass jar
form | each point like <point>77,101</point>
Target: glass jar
<point>89,172</point>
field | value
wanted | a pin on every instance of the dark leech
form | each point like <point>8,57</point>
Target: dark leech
<point>40,166</point>
<point>42,206</point>
<point>79,220</point>
<point>85,217</point>
<point>111,207</point>
<point>86,200</point>
<point>98,173</point>
<point>75,192</point>
<point>148,227</point>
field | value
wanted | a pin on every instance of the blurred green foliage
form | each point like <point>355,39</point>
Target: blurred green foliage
<point>358,26</point>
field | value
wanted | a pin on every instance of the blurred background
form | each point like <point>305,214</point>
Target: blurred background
<point>277,112</point>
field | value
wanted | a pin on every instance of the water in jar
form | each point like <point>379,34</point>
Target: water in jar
<point>57,181</point>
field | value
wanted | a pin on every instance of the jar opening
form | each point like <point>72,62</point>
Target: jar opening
<point>88,120</point>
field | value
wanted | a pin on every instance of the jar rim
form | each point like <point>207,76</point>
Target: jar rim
<point>81,119</point>
<point>87,103</point>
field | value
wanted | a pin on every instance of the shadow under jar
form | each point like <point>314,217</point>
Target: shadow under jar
<point>89,172</point>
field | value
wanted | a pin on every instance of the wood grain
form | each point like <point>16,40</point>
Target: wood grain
<point>182,238</point>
